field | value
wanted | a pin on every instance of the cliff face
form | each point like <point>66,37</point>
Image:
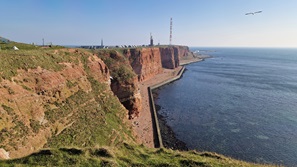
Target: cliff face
<point>182,51</point>
<point>170,57</point>
<point>129,95</point>
<point>146,62</point>
<point>40,104</point>
<point>124,82</point>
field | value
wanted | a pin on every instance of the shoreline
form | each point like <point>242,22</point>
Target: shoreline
<point>169,138</point>
<point>143,126</point>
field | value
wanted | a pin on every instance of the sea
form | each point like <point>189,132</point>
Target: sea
<point>241,103</point>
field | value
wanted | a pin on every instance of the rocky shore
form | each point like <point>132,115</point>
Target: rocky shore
<point>168,136</point>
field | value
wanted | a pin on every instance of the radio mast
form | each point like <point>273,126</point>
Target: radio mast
<point>170,38</point>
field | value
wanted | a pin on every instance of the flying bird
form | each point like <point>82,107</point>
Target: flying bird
<point>253,13</point>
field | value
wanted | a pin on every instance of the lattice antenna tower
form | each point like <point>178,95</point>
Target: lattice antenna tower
<point>170,38</point>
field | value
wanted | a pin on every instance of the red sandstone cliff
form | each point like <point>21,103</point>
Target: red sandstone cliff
<point>170,57</point>
<point>182,51</point>
<point>124,81</point>
<point>145,63</point>
<point>29,97</point>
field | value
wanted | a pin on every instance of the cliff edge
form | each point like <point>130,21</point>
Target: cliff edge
<point>69,107</point>
<point>51,98</point>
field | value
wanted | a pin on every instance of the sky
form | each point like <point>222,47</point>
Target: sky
<point>205,23</point>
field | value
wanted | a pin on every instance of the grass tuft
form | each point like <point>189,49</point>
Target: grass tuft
<point>186,162</point>
<point>42,153</point>
<point>212,155</point>
<point>8,109</point>
<point>102,152</point>
<point>72,151</point>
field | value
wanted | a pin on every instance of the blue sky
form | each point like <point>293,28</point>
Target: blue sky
<point>118,22</point>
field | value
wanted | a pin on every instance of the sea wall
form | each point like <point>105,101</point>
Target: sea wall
<point>157,131</point>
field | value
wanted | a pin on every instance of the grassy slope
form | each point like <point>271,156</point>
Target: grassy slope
<point>97,115</point>
<point>117,64</point>
<point>123,155</point>
<point>95,140</point>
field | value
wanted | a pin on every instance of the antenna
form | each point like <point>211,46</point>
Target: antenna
<point>42,41</point>
<point>170,38</point>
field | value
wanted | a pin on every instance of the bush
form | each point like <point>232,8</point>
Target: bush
<point>35,125</point>
<point>8,109</point>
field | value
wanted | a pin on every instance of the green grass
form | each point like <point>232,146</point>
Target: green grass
<point>95,121</point>
<point>7,109</point>
<point>118,65</point>
<point>11,61</point>
<point>124,155</point>
<point>28,57</point>
<point>23,46</point>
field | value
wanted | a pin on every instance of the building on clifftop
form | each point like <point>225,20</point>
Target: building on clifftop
<point>151,41</point>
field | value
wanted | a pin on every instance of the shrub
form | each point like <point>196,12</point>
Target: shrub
<point>8,109</point>
<point>35,125</point>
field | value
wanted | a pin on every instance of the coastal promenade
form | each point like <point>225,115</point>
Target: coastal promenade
<point>145,126</point>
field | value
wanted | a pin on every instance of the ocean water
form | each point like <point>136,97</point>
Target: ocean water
<point>241,103</point>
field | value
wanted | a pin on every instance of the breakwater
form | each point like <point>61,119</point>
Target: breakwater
<point>156,127</point>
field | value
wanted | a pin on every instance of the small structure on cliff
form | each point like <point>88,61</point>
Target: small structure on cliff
<point>15,48</point>
<point>102,43</point>
<point>151,41</point>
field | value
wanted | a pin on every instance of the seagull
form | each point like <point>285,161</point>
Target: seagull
<point>258,12</point>
<point>253,13</point>
<point>249,13</point>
